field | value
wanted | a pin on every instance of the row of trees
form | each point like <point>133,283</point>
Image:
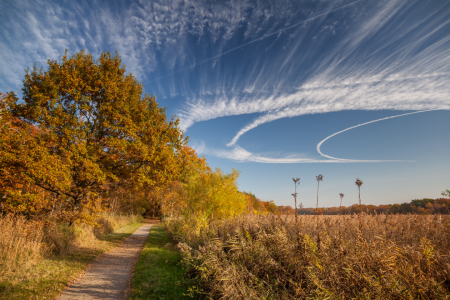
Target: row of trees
<point>418,206</point>
<point>85,139</point>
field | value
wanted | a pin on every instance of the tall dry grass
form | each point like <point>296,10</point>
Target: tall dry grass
<point>23,243</point>
<point>372,257</point>
<point>20,242</point>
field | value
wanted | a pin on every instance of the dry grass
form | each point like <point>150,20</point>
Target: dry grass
<point>38,259</point>
<point>367,257</point>
<point>20,242</point>
<point>24,242</point>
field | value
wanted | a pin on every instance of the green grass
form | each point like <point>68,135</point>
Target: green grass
<point>158,274</point>
<point>49,276</point>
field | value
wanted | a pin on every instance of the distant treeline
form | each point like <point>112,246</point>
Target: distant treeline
<point>417,206</point>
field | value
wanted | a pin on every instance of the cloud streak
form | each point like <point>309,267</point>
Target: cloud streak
<point>404,68</point>
<point>384,62</point>
<point>242,155</point>
<point>149,35</point>
<point>404,93</point>
<point>277,32</point>
<point>319,56</point>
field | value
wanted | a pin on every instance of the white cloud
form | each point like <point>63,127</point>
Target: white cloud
<point>41,30</point>
<point>240,154</point>
<point>420,93</point>
<point>377,62</point>
<point>356,126</point>
<point>406,68</point>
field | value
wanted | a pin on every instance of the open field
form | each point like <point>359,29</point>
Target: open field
<point>329,257</point>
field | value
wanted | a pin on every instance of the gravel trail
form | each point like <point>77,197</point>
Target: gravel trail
<point>109,277</point>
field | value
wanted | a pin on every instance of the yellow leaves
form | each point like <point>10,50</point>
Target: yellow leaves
<point>426,248</point>
<point>207,196</point>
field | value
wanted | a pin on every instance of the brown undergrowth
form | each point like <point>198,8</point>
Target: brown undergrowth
<point>367,257</point>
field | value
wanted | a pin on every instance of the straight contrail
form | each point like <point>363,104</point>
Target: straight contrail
<point>256,40</point>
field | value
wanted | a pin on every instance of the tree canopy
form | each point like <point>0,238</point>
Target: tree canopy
<point>84,125</point>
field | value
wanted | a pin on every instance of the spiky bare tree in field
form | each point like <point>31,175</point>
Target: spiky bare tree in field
<point>359,183</point>
<point>296,182</point>
<point>319,178</point>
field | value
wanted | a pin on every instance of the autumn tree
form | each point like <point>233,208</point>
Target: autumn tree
<point>208,196</point>
<point>93,127</point>
<point>18,194</point>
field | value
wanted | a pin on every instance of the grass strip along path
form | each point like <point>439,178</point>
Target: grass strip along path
<point>158,274</point>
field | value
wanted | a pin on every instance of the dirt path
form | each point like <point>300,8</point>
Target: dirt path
<point>109,277</point>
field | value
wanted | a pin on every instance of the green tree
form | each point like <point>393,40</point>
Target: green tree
<point>94,127</point>
<point>421,202</point>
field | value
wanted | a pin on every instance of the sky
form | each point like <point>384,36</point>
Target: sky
<point>275,89</point>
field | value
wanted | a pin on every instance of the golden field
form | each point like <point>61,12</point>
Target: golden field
<point>324,257</point>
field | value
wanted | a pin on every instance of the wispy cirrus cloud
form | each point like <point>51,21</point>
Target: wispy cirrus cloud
<point>147,34</point>
<point>319,145</point>
<point>35,31</point>
<point>240,154</point>
<point>419,93</point>
<point>384,63</point>
<point>237,153</point>
<point>318,56</point>
<point>405,69</point>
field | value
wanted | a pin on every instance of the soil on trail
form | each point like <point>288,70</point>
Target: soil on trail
<point>110,275</point>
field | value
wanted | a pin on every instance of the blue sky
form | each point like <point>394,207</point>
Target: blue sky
<point>275,89</point>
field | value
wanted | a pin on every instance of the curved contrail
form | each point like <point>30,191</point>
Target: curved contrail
<point>241,154</point>
<point>359,125</point>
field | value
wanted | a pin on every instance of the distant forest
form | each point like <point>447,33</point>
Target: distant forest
<point>417,206</point>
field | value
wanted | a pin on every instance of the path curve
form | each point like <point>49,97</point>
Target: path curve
<point>109,277</point>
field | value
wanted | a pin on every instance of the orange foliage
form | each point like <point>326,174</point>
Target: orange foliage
<point>83,129</point>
